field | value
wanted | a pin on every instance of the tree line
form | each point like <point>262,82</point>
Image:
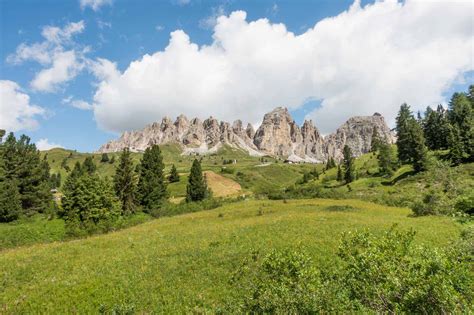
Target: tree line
<point>450,130</point>
<point>89,202</point>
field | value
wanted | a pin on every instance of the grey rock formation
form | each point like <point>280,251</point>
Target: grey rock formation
<point>278,135</point>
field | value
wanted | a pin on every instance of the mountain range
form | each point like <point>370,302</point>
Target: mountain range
<point>278,136</point>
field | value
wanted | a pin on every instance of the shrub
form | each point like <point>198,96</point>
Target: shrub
<point>375,273</point>
<point>282,282</point>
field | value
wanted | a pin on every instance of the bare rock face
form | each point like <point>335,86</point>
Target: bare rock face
<point>278,135</point>
<point>357,134</point>
<point>273,137</point>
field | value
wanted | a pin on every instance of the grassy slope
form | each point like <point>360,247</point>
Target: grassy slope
<point>246,172</point>
<point>183,263</point>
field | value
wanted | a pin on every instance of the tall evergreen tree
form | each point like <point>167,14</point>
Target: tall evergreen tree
<point>23,164</point>
<point>404,143</point>
<point>349,165</point>
<point>196,189</point>
<point>376,141</point>
<point>386,159</point>
<point>125,183</point>
<point>339,173</point>
<point>151,185</point>
<point>10,206</point>
<point>89,165</point>
<point>104,158</point>
<point>419,152</point>
<point>436,128</point>
<point>461,116</point>
<point>174,176</point>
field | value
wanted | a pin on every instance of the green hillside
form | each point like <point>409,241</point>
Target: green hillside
<point>183,264</point>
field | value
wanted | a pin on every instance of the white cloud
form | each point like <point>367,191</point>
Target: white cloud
<point>61,64</point>
<point>94,4</point>
<point>159,28</point>
<point>79,104</point>
<point>182,2</point>
<point>16,111</point>
<point>64,68</point>
<point>45,145</point>
<point>361,61</point>
<point>102,24</point>
<point>59,35</point>
<point>211,21</point>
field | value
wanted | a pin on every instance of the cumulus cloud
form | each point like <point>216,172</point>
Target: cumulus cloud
<point>363,60</point>
<point>60,56</point>
<point>211,21</point>
<point>44,145</point>
<point>79,104</point>
<point>16,111</point>
<point>65,67</point>
<point>94,4</point>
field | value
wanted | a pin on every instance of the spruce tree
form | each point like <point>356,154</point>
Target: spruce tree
<point>23,164</point>
<point>376,141</point>
<point>419,152</point>
<point>339,173</point>
<point>174,176</point>
<point>89,165</point>
<point>124,183</point>
<point>403,124</point>
<point>386,159</point>
<point>10,205</point>
<point>349,165</point>
<point>196,189</point>
<point>461,117</point>
<point>104,158</point>
<point>151,185</point>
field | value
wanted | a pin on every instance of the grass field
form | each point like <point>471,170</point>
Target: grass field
<point>183,264</point>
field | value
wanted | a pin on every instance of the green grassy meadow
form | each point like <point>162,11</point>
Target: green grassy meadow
<point>183,264</point>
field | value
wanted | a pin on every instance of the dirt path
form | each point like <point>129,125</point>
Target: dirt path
<point>222,186</point>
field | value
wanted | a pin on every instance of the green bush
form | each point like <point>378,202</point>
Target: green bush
<point>282,282</point>
<point>375,273</point>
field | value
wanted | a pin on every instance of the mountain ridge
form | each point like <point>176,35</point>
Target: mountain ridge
<point>278,135</point>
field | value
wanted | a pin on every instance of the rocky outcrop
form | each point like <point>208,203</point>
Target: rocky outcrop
<point>278,135</point>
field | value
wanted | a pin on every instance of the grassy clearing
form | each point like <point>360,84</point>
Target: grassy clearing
<point>183,263</point>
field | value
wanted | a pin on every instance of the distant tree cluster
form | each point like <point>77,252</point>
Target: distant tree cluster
<point>24,179</point>
<point>440,129</point>
<point>331,163</point>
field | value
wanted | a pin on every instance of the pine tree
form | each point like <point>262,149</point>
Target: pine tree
<point>112,160</point>
<point>386,159</point>
<point>10,205</point>
<point>23,164</point>
<point>90,201</point>
<point>89,165</point>
<point>404,143</point>
<point>151,185</point>
<point>349,165</point>
<point>419,152</point>
<point>196,189</point>
<point>104,158</point>
<point>125,184</point>
<point>174,176</point>
<point>461,116</point>
<point>376,141</point>
<point>339,173</point>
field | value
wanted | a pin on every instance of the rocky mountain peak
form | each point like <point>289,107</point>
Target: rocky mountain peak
<point>278,135</point>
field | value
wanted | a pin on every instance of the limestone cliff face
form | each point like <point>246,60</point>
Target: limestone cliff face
<point>357,134</point>
<point>278,135</point>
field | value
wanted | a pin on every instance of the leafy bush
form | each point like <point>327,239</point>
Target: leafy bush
<point>282,282</point>
<point>382,274</point>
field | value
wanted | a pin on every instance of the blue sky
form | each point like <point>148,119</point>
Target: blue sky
<point>124,31</point>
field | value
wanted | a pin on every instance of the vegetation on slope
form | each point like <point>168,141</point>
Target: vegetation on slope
<point>185,263</point>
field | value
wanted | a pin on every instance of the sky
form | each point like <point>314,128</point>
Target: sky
<point>77,73</point>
